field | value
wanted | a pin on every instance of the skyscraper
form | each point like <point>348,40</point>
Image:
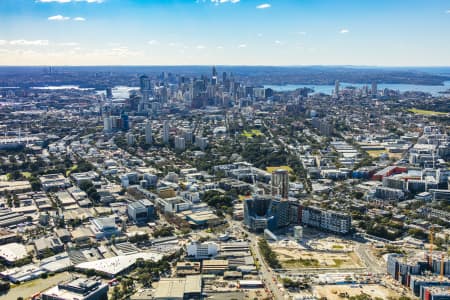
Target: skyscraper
<point>109,93</point>
<point>125,121</point>
<point>148,133</point>
<point>145,88</point>
<point>280,183</point>
<point>144,83</point>
<point>374,88</point>
<point>166,132</point>
<point>336,87</point>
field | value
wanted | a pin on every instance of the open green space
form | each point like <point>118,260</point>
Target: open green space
<point>300,263</point>
<point>426,112</point>
<point>287,168</point>
<point>252,133</point>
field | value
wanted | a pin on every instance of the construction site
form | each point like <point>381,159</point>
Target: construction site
<point>323,253</point>
<point>338,292</point>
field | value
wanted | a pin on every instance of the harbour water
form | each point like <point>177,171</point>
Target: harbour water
<point>328,89</point>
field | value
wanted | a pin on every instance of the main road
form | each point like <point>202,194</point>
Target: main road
<point>268,276</point>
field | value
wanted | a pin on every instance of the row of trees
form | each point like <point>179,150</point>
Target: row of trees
<point>269,256</point>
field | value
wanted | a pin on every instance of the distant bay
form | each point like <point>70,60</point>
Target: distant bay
<point>328,89</point>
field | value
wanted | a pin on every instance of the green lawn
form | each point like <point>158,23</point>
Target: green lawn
<point>338,247</point>
<point>426,112</point>
<point>26,174</point>
<point>287,168</point>
<point>300,263</point>
<point>73,168</point>
<point>252,133</point>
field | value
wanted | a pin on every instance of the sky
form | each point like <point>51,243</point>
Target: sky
<point>225,32</point>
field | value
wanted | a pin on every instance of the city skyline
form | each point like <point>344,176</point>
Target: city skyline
<point>224,32</point>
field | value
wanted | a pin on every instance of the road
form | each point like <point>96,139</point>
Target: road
<point>268,276</point>
<point>369,260</point>
<point>266,273</point>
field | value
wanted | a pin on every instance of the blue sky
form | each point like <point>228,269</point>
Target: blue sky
<point>228,32</point>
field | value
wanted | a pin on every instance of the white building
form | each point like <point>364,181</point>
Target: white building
<point>298,232</point>
<point>180,143</point>
<point>107,124</point>
<point>202,250</point>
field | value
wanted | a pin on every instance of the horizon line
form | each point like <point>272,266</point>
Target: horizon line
<point>231,65</point>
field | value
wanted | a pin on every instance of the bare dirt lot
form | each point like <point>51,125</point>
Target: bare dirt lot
<point>335,292</point>
<point>298,258</point>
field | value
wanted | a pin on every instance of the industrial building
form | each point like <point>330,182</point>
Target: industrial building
<point>179,288</point>
<point>80,289</point>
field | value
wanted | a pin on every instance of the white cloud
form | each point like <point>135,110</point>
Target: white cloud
<point>217,2</point>
<point>58,1</point>
<point>79,19</point>
<point>242,46</point>
<point>69,44</point>
<point>3,42</point>
<point>263,6</point>
<point>219,47</point>
<point>201,47</point>
<point>58,18</point>
<point>153,42</point>
<point>344,31</point>
<point>301,33</point>
<point>68,1</point>
<point>259,34</point>
<point>29,42</point>
<point>118,52</point>
<point>448,11</point>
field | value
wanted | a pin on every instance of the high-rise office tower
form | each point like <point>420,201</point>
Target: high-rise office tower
<point>146,89</point>
<point>109,93</point>
<point>224,76</point>
<point>166,132</point>
<point>374,88</point>
<point>336,87</point>
<point>125,121</point>
<point>144,83</point>
<point>280,183</point>
<point>148,133</point>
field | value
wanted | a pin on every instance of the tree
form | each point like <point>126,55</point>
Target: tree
<point>116,294</point>
<point>269,256</point>
<point>86,185</point>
